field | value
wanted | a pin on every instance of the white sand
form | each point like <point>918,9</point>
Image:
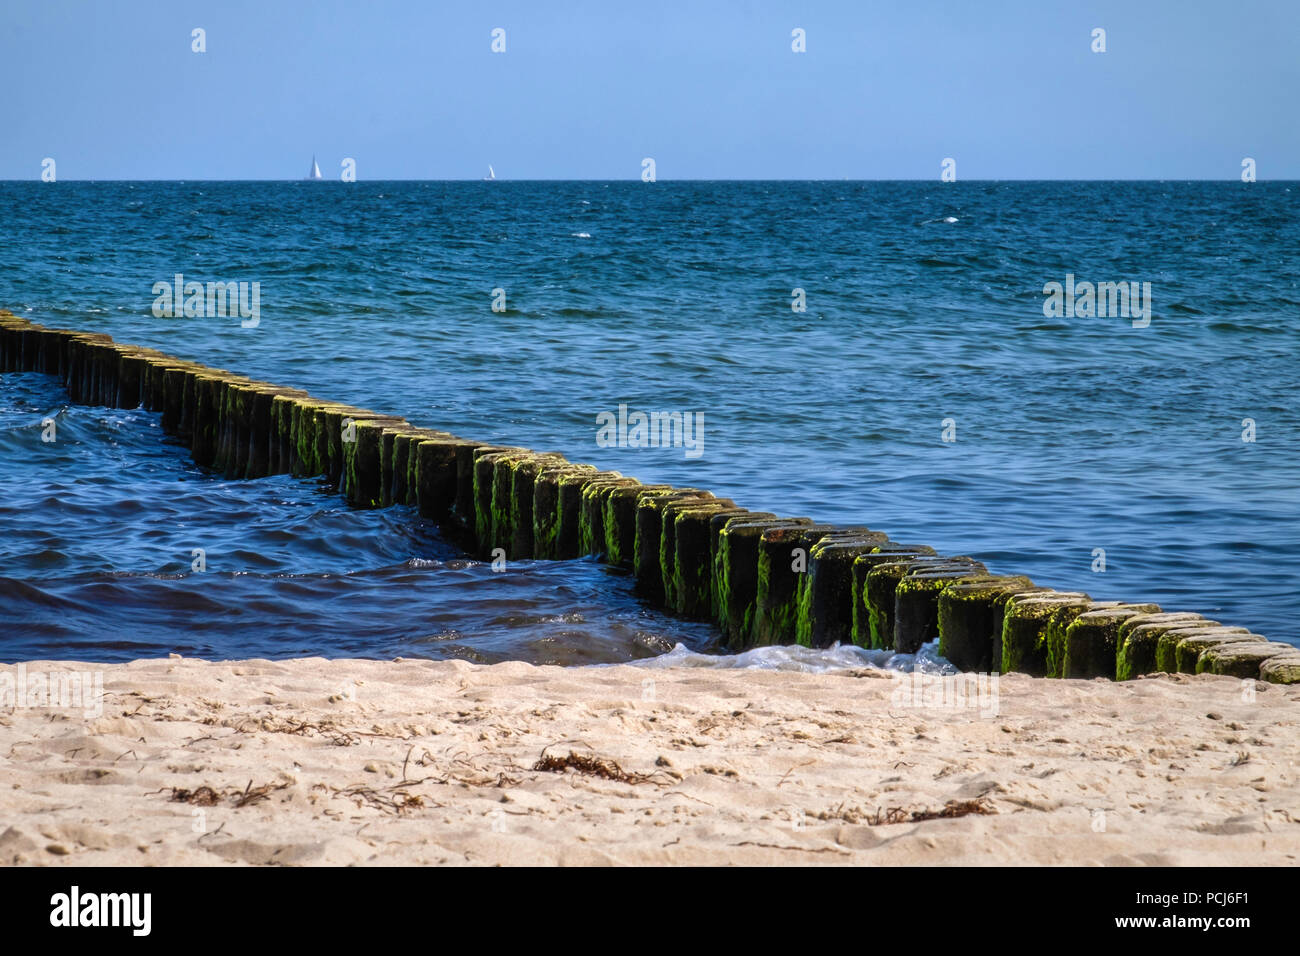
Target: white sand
<point>744,767</point>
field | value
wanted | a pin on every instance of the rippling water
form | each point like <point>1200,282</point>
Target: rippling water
<point>924,303</point>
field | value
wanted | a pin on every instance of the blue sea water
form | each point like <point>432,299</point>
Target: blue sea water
<point>924,304</point>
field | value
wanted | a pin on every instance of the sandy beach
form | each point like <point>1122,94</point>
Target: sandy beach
<point>415,762</point>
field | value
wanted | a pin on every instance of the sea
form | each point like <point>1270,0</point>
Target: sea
<point>918,357</point>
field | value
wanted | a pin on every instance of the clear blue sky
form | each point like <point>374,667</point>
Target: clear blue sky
<point>411,90</point>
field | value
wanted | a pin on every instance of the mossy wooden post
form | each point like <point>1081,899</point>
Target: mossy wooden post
<point>824,595</point>
<point>321,441</point>
<point>672,510</point>
<point>782,560</point>
<point>189,400</point>
<point>523,483</point>
<point>221,415</point>
<point>1024,649</point>
<point>1283,669</point>
<point>241,432</point>
<point>340,430</point>
<point>1167,657</point>
<point>968,614</point>
<point>401,463</point>
<point>363,466</point>
<point>1092,640</point>
<point>264,448</point>
<point>880,592</point>
<point>130,369</point>
<point>618,521</point>
<point>1139,636</point>
<point>209,416</point>
<point>591,519</point>
<point>1242,659</point>
<point>502,516</point>
<point>107,358</point>
<point>1053,634</point>
<point>283,411</point>
<point>647,538</point>
<point>916,600</point>
<point>571,489</point>
<point>735,575</point>
<point>489,495</point>
<point>173,395</point>
<point>1189,648</point>
<point>862,566</point>
<point>547,508</point>
<point>302,423</point>
<point>466,506</point>
<point>436,481</point>
<point>695,555</point>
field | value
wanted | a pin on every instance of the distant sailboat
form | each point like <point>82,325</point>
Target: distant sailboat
<point>315,170</point>
<point>491,176</point>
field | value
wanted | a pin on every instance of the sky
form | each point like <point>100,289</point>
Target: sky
<point>586,90</point>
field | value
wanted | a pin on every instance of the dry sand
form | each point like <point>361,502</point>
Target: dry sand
<point>356,762</point>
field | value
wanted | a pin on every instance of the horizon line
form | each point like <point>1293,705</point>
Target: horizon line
<point>779,179</point>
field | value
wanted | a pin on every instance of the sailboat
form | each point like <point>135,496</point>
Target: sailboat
<point>315,171</point>
<point>491,177</point>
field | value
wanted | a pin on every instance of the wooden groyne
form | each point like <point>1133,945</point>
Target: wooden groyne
<point>763,579</point>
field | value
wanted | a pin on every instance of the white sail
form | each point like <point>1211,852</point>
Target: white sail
<point>492,173</point>
<point>315,170</point>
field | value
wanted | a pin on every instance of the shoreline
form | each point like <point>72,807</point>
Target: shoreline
<point>309,761</point>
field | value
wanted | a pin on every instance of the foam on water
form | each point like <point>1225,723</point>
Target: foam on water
<point>809,660</point>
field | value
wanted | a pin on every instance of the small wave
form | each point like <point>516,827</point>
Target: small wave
<point>809,660</point>
<point>581,235</point>
<point>947,219</point>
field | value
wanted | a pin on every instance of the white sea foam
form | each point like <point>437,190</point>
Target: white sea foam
<point>793,657</point>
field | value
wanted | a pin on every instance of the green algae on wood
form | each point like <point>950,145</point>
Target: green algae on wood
<point>546,507</point>
<point>694,545</point>
<point>648,534</point>
<point>1024,617</point>
<point>522,494</point>
<point>363,468</point>
<point>1135,654</point>
<point>1283,669</point>
<point>824,594</point>
<point>916,600</point>
<point>591,519</point>
<point>1240,659</point>
<point>1169,659</point>
<point>968,614</point>
<point>881,592</point>
<point>1092,640</point>
<point>668,540</point>
<point>493,481</point>
<point>618,520</point>
<point>1191,648</point>
<point>569,492</point>
<point>862,566</point>
<point>782,561</point>
<point>1053,636</point>
<point>735,575</point>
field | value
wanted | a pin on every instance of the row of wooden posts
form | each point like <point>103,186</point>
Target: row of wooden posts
<point>761,578</point>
